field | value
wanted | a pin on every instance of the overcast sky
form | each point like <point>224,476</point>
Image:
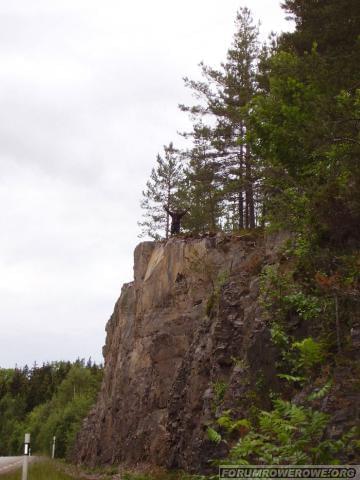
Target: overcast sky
<point>88,96</point>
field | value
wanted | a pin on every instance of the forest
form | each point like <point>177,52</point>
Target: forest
<point>48,400</point>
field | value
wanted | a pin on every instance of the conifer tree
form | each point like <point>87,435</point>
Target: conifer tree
<point>239,88</point>
<point>226,94</point>
<point>201,188</point>
<point>161,189</point>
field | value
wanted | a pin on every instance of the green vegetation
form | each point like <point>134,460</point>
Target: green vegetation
<point>230,425</point>
<point>220,176</point>
<point>163,475</point>
<point>49,470</point>
<point>40,471</point>
<point>45,401</point>
<point>219,389</point>
<point>161,189</point>
<point>311,354</point>
<point>213,300</point>
<point>275,139</point>
<point>213,435</point>
<point>298,359</point>
<point>290,435</point>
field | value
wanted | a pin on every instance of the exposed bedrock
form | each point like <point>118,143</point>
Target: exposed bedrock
<point>187,327</point>
<point>190,309</point>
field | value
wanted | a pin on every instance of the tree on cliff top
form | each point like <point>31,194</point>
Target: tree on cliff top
<point>161,189</point>
<point>224,95</point>
<point>306,127</point>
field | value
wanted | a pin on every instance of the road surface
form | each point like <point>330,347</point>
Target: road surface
<point>10,463</point>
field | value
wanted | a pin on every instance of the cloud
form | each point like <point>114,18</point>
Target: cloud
<point>88,95</point>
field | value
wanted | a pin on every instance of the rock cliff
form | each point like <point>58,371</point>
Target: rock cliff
<point>185,336</point>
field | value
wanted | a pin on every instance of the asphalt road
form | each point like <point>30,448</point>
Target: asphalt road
<point>10,463</point>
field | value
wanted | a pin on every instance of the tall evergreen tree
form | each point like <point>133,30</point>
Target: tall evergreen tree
<point>201,188</point>
<point>226,94</point>
<point>161,189</point>
<point>239,78</point>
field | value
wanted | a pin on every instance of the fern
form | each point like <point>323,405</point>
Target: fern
<point>225,420</point>
<point>289,434</point>
<point>231,425</point>
<point>298,415</point>
<point>291,378</point>
<point>213,435</point>
<point>311,353</point>
<point>322,392</point>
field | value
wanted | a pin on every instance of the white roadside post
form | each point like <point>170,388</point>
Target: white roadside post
<point>53,447</point>
<point>26,456</point>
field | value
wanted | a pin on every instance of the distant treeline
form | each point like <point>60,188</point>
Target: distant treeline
<point>46,400</point>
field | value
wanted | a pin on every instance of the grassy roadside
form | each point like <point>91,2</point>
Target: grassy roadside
<point>43,470</point>
<point>140,472</point>
<point>59,470</point>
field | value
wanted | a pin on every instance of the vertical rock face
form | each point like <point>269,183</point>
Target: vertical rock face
<point>178,333</point>
<point>186,342</point>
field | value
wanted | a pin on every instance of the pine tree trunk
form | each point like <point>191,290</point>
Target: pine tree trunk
<point>212,213</point>
<point>250,208</point>
<point>167,215</point>
<point>241,181</point>
<point>241,210</point>
<point>246,209</point>
<point>167,226</point>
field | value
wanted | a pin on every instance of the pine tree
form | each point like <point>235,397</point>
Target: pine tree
<point>201,188</point>
<point>161,189</point>
<point>239,88</point>
<point>226,94</point>
<point>333,26</point>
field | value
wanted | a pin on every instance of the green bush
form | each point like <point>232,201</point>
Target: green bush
<point>308,307</point>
